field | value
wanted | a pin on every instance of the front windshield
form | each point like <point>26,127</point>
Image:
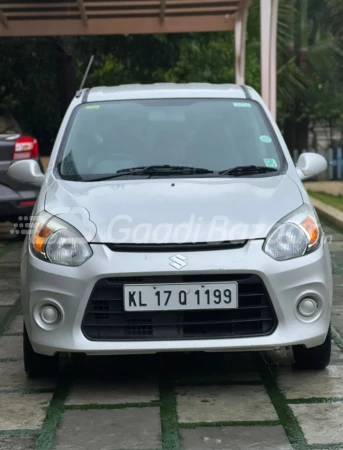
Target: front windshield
<point>214,134</point>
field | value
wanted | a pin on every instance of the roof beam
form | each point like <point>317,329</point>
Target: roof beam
<point>112,4</point>
<point>162,10</point>
<point>83,13</point>
<point>62,15</point>
<point>3,19</point>
<point>131,25</point>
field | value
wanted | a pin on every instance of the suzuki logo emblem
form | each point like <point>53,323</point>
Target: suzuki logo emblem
<point>178,261</point>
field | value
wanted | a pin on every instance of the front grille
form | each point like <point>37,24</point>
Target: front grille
<point>106,320</point>
<point>184,247</point>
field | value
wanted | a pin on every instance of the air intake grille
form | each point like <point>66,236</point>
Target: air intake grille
<point>106,320</point>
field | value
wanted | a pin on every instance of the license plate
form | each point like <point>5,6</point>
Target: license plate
<point>175,297</point>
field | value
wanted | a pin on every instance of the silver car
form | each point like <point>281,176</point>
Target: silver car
<point>172,218</point>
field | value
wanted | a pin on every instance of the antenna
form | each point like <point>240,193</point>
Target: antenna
<point>87,71</point>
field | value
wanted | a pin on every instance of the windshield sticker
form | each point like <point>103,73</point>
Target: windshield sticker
<point>266,139</point>
<point>92,107</point>
<point>242,105</point>
<point>270,162</point>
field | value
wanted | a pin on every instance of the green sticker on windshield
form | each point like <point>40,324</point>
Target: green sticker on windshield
<point>265,139</point>
<point>242,105</point>
<point>270,162</point>
<point>92,107</point>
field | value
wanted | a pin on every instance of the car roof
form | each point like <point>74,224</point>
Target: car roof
<point>165,90</point>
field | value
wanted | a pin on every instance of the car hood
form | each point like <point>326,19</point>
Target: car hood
<point>174,210</point>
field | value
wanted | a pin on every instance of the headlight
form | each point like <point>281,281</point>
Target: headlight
<point>56,241</point>
<point>295,235</point>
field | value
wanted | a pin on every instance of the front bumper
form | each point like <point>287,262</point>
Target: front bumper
<point>287,282</point>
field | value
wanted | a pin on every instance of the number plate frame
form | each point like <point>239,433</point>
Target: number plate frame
<point>149,300</point>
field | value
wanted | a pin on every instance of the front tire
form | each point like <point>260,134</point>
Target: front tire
<point>315,358</point>
<point>37,365</point>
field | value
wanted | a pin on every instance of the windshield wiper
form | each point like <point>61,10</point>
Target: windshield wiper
<point>158,170</point>
<point>153,170</point>
<point>247,170</point>
<point>166,168</point>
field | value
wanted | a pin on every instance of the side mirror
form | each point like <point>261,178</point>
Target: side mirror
<point>310,165</point>
<point>26,171</point>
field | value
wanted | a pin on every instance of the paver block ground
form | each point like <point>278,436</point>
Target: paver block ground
<point>9,272</point>
<point>11,347</point>
<point>9,284</point>
<point>23,411</point>
<point>3,312</point>
<point>337,320</point>
<point>308,384</point>
<point>223,404</point>
<point>235,438</point>
<point>13,376</point>
<point>13,255</point>
<point>100,390</point>
<point>322,423</point>
<point>16,443</point>
<point>110,429</point>
<point>9,297</point>
<point>336,355</point>
<point>16,325</point>
<point>336,245</point>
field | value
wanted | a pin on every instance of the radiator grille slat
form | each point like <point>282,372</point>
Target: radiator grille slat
<point>106,320</point>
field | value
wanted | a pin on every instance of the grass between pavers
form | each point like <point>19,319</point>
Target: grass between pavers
<point>168,413</point>
<point>313,400</point>
<point>326,446</point>
<point>8,247</point>
<point>27,391</point>
<point>337,338</point>
<point>13,334</point>
<point>5,360</point>
<point>287,418</point>
<point>4,250</point>
<point>219,383</point>
<point>8,319</point>
<point>331,200</point>
<point>47,436</point>
<point>261,423</point>
<point>22,432</point>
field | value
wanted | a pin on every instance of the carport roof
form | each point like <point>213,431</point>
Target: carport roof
<point>105,17</point>
<point>96,17</point>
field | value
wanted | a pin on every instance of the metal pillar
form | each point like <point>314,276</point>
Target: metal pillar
<point>241,19</point>
<point>268,17</point>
